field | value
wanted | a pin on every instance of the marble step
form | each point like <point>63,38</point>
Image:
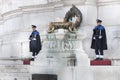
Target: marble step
<point>14,69</point>
<point>14,72</point>
<point>13,61</point>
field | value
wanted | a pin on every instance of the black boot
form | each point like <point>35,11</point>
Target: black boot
<point>32,59</point>
<point>97,59</point>
<point>101,58</point>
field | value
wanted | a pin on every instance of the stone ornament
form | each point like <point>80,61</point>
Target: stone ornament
<point>67,23</point>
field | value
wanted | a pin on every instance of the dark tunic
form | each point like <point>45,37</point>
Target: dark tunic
<point>35,42</point>
<point>99,43</point>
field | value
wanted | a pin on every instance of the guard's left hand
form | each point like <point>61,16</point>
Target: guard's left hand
<point>100,37</point>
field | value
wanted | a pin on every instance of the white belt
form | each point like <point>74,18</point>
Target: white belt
<point>34,39</point>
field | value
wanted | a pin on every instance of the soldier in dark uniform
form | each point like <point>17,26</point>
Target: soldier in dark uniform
<point>35,42</point>
<point>99,41</point>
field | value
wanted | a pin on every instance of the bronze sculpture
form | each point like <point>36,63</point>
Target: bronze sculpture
<point>67,24</point>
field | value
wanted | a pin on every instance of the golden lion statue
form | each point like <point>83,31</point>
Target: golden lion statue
<point>67,24</point>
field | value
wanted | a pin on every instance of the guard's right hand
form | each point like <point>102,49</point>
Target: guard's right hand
<point>94,38</point>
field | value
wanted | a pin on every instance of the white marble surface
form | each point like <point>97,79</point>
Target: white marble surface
<point>16,28</point>
<point>9,70</point>
<point>15,21</point>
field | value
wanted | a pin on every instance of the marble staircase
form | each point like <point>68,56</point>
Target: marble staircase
<point>13,69</point>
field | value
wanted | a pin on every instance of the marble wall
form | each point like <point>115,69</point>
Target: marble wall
<point>16,22</point>
<point>108,11</point>
<point>16,19</point>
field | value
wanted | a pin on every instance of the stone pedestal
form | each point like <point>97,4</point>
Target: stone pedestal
<point>26,62</point>
<point>100,63</point>
<point>62,54</point>
<point>67,46</point>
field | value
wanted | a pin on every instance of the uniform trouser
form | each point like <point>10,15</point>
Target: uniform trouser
<point>98,50</point>
<point>35,53</point>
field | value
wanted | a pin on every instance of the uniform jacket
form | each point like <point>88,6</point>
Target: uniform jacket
<point>35,42</point>
<point>97,42</point>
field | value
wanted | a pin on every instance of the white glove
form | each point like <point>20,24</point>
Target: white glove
<point>100,37</point>
<point>34,39</point>
<point>94,38</point>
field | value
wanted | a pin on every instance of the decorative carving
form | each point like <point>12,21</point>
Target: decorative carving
<point>68,43</point>
<point>67,24</point>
